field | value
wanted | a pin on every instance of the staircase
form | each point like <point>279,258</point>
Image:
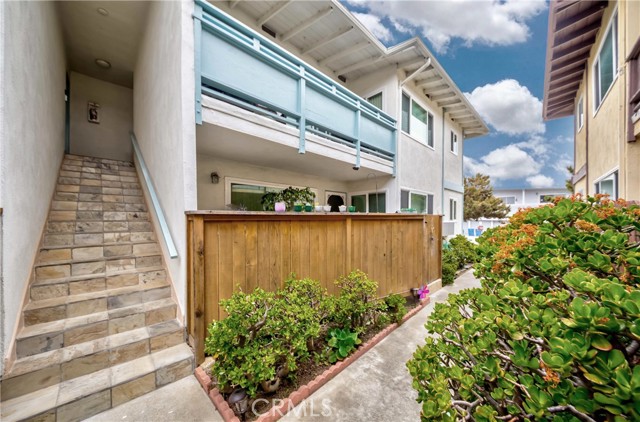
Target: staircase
<point>100,327</point>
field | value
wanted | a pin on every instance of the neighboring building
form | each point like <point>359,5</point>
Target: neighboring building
<point>528,197</point>
<point>516,199</point>
<point>286,93</point>
<point>593,73</point>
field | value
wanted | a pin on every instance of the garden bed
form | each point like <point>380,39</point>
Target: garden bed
<point>309,377</point>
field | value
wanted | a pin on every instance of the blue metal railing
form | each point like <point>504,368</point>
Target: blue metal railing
<point>238,65</point>
<point>146,178</point>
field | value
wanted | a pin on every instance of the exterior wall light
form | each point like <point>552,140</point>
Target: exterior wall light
<point>215,178</point>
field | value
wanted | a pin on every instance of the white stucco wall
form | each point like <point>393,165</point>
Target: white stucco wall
<point>212,196</point>
<point>32,133</point>
<point>109,138</point>
<point>164,121</point>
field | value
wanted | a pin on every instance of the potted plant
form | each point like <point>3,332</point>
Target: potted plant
<point>298,207</point>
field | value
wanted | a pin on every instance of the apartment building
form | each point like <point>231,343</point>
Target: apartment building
<point>593,73</point>
<point>119,117</point>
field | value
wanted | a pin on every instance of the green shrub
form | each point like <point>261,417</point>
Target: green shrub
<point>450,265</point>
<point>554,332</point>
<point>355,306</point>
<point>266,335</point>
<point>396,307</point>
<point>341,343</point>
<point>464,249</point>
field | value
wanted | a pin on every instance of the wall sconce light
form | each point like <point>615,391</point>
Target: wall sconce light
<point>215,178</point>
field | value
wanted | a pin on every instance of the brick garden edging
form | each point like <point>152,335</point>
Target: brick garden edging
<point>303,392</point>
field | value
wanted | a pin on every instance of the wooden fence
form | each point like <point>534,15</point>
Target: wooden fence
<point>228,251</point>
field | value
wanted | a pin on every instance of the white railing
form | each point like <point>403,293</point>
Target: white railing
<point>155,203</point>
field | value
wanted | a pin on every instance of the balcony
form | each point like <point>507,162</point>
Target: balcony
<point>236,65</point>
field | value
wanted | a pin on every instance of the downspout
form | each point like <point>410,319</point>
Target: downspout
<point>461,152</point>
<point>586,128</point>
<point>444,110</point>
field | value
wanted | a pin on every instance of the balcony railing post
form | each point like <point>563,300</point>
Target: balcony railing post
<point>302,122</point>
<point>357,135</point>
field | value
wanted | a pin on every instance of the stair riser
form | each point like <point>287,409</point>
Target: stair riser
<point>46,377</point>
<point>84,307</point>
<point>97,267</point>
<point>116,324</point>
<point>88,363</point>
<point>90,253</point>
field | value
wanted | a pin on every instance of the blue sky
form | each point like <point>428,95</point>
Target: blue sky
<point>495,52</point>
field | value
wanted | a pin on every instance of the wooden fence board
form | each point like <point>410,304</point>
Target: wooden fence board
<point>231,250</point>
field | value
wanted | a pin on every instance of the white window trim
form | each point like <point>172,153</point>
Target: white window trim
<point>452,133</point>
<point>455,218</point>
<point>606,176</point>
<point>420,192</point>
<point>596,79</point>
<point>228,181</point>
<point>412,99</point>
<point>366,196</point>
<point>579,106</point>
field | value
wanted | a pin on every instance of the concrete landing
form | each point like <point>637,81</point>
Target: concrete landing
<point>181,401</point>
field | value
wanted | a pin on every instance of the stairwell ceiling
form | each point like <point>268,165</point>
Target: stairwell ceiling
<point>88,35</point>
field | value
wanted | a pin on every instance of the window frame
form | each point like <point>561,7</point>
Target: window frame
<point>229,181</point>
<point>580,114</point>
<point>453,209</point>
<point>454,143</point>
<point>421,193</point>
<point>368,99</point>
<point>613,176</point>
<point>366,195</point>
<point>634,88</point>
<point>599,96</point>
<point>504,199</point>
<point>430,123</point>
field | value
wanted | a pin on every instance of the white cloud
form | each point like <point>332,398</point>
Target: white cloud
<point>536,145</point>
<point>509,162</point>
<point>509,107</point>
<point>373,24</point>
<point>482,22</point>
<point>560,164</point>
<point>540,181</point>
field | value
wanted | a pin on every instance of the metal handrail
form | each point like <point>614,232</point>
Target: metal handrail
<point>146,176</point>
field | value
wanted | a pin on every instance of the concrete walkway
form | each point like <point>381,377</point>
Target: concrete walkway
<point>376,387</point>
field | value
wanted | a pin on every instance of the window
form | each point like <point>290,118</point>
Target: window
<point>605,68</point>
<point>580,114</point>
<point>376,100</point>
<point>454,143</point>
<point>423,204</point>
<point>608,186</point>
<point>370,202</point>
<point>248,196</point>
<point>508,200</point>
<point>453,209</point>
<point>634,88</point>
<point>416,121</point>
<point>545,199</point>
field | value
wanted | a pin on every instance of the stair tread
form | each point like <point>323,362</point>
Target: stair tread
<point>61,325</point>
<point>97,275</point>
<point>103,258</point>
<point>66,392</point>
<point>65,354</point>
<point>63,300</point>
